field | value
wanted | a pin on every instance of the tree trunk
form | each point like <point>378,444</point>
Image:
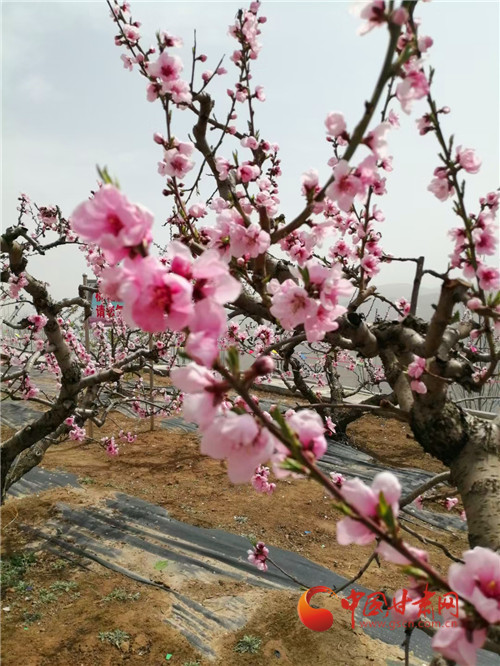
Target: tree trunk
<point>470,447</point>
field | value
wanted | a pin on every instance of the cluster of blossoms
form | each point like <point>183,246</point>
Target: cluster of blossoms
<point>127,436</point>
<point>185,294</point>
<point>232,238</point>
<point>449,504</point>
<point>442,184</point>
<point>163,74</point>
<point>316,304</point>
<point>110,446</point>
<point>246,31</point>
<point>338,478</point>
<point>477,581</point>
<point>16,283</point>
<point>258,555</point>
<point>76,433</point>
<point>260,481</point>
<point>415,370</point>
<point>463,629</point>
<point>478,240</point>
<point>188,295</point>
<point>176,162</point>
<point>237,437</point>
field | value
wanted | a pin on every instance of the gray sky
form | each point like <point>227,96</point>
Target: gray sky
<point>68,104</point>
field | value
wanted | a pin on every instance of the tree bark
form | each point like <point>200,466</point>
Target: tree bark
<point>470,447</point>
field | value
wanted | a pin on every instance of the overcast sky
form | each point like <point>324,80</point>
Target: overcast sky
<point>68,104</point>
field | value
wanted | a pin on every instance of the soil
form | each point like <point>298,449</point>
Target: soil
<point>166,468</point>
<point>391,442</point>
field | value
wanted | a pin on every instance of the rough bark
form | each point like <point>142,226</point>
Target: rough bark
<point>470,447</point>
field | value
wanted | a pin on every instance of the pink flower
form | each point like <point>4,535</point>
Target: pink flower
<point>112,222</point>
<point>478,581</point>
<point>259,555</point>
<point>332,428</point>
<point>337,478</point>
<point>450,502</point>
<point>248,172</point>
<point>399,16</point>
<point>197,210</point>
<point>468,159</point>
<point>365,500</point>
<point>485,240</point>
<point>489,278</point>
<point>177,162</point>
<point>377,142</point>
<point>418,387</point>
<point>404,306</point>
<point>374,13</point>
<point>335,124</point>
<point>369,263</point>
<point>291,305</point>
<point>310,430</point>
<point>167,67</point>
<point>458,643</point>
<point>250,142</point>
<point>203,400</point>
<point>223,167</point>
<point>180,92</point>
<point>393,118</point>
<point>345,186</point>
<point>239,439</point>
<point>424,124</point>
<point>310,181</point>
<point>131,33</point>
<point>411,610</point>
<point>441,188</point>
<point>111,448</point>
<point>392,555</point>
<point>260,481</point>
<point>414,86</point>
<point>128,63</point>
<point>155,299</point>
<point>77,434</point>
<point>260,93</point>
<point>213,280</point>
<point>322,321</point>
<point>38,321</point>
<point>417,368</point>
<point>419,502</point>
<point>252,240</point>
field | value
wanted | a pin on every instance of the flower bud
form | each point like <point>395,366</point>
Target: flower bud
<point>264,366</point>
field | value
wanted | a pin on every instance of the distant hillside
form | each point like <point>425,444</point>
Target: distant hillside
<point>394,292</point>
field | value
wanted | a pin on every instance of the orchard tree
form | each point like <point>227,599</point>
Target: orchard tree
<point>236,258</point>
<point>88,379</point>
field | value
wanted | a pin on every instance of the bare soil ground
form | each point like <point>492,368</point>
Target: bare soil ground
<point>57,613</point>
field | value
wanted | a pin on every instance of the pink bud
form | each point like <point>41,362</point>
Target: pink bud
<point>264,365</point>
<point>158,138</point>
<point>202,58</point>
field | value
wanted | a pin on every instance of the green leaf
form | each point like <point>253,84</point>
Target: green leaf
<point>410,570</point>
<point>292,465</point>
<point>233,360</point>
<point>305,275</point>
<point>384,512</point>
<point>105,177</point>
<point>344,509</point>
<point>161,564</point>
<point>278,417</point>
